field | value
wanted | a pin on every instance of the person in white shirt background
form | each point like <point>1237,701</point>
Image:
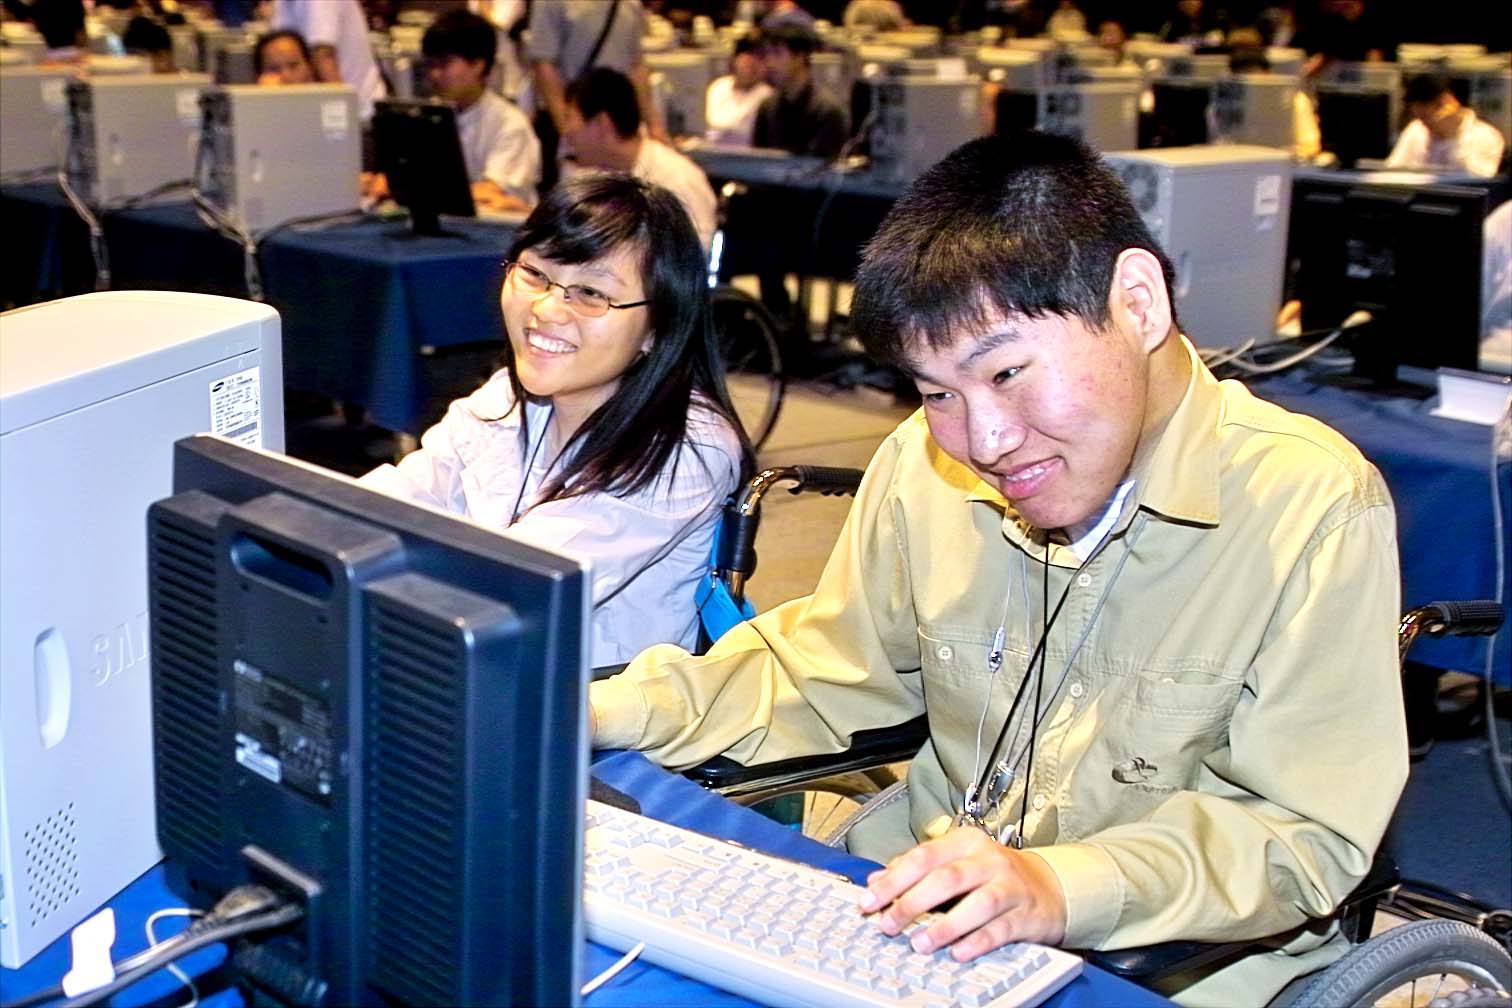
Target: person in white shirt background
<point>731,101</point>
<point>1444,135</point>
<point>604,133</point>
<point>608,431</point>
<point>337,33</point>
<point>499,145</point>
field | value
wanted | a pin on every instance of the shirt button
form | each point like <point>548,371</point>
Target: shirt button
<point>1077,689</point>
<point>1083,579</point>
<point>945,652</point>
<point>1040,801</point>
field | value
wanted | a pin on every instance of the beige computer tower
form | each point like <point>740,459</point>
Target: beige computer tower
<point>269,155</point>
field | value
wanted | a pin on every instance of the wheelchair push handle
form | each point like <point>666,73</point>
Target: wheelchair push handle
<point>1467,618</point>
<point>826,479</point>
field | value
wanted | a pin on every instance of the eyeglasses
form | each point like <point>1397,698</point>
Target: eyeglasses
<point>589,302</point>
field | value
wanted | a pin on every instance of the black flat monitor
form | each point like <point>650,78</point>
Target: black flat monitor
<point>1354,123</point>
<point>1407,252</point>
<point>1015,111</point>
<point>377,710</point>
<point>1180,114</point>
<point>418,150</point>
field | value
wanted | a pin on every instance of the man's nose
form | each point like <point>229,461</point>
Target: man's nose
<point>992,434</point>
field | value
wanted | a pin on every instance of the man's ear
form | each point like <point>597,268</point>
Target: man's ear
<point>1139,298</point>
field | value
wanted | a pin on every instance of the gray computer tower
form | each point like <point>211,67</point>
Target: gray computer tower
<point>1220,212</point>
<point>1103,115</point>
<point>679,81</point>
<point>919,120</point>
<point>33,118</point>
<point>94,390</point>
<point>1198,66</point>
<point>1256,109</point>
<point>1012,69</point>
<point>1488,86</point>
<point>273,154</point>
<point>133,135</point>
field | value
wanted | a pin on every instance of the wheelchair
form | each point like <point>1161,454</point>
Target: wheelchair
<point>1447,954</point>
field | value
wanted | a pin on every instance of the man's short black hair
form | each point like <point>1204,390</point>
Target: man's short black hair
<point>750,42</point>
<point>1024,224</point>
<point>605,90</point>
<point>795,38</point>
<point>1424,88</point>
<point>145,35</point>
<point>461,33</point>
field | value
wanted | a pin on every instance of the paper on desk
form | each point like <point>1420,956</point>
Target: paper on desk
<point>91,942</point>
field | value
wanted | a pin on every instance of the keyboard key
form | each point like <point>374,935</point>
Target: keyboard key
<point>776,931</point>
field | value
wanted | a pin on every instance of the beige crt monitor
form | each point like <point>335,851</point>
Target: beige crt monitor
<point>94,391</point>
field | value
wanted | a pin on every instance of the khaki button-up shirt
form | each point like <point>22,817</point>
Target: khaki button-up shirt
<point>1221,741</point>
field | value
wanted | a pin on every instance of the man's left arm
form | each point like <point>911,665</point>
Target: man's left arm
<point>511,165</point>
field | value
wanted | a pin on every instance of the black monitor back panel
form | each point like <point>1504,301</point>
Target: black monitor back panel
<point>375,708</point>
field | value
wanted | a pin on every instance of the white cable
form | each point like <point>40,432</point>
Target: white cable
<point>1218,356</point>
<point>612,971</point>
<point>153,942</point>
<point>1286,362</point>
<point>1503,429</point>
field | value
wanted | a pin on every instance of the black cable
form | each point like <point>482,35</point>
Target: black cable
<point>1039,686</point>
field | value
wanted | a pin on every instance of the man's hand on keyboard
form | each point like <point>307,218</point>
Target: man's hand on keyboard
<point>1006,895</point>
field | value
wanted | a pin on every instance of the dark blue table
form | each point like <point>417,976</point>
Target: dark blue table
<point>1439,472</point>
<point>661,794</point>
<point>358,299</point>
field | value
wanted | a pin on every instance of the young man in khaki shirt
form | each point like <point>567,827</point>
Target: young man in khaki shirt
<point>1150,617</point>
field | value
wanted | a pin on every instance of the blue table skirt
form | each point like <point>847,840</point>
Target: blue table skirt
<point>1439,473</point>
<point>661,794</point>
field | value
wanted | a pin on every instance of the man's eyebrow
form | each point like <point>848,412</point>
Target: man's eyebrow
<point>993,339</point>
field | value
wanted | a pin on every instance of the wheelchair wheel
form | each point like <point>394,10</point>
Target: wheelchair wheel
<point>747,336</point>
<point>815,807</point>
<point>1428,964</point>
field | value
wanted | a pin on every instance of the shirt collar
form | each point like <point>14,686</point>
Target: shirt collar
<point>1175,477</point>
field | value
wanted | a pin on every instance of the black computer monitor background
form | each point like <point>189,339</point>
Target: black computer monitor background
<point>384,701</point>
<point>1408,254</point>
<point>1355,123</point>
<point>1180,114</point>
<point>416,147</point>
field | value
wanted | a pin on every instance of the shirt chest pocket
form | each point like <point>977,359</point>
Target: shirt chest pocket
<point>1152,734</point>
<point>956,687</point>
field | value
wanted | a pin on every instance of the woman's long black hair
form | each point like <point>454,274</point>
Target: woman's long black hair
<point>626,442</point>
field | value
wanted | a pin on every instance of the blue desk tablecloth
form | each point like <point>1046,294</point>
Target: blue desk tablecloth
<point>1439,473</point>
<point>661,794</point>
<point>358,300</point>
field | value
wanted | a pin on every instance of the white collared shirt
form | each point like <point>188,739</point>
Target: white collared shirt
<point>499,144</point>
<point>1476,148</point>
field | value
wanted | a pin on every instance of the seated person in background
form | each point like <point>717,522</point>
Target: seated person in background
<point>1112,37</point>
<point>337,33</point>
<point>1307,139</point>
<point>604,134</point>
<point>799,118</point>
<point>499,145</point>
<point>1157,613</point>
<point>1444,135</point>
<point>145,37</point>
<point>608,432</point>
<point>731,101</point>
<point>283,57</point>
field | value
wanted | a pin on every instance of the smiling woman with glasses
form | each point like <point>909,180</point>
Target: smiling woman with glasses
<point>608,430</point>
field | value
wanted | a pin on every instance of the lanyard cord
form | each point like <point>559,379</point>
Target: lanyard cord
<point>1039,687</point>
<point>514,512</point>
<point>972,803</point>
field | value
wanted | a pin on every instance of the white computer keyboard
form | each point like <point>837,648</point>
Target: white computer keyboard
<point>775,931</point>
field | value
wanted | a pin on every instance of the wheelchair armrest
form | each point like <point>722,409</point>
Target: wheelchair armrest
<point>1152,962</point>
<point>869,748</point>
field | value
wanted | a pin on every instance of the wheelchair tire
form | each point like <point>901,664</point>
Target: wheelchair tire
<point>747,338</point>
<point>1420,956</point>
